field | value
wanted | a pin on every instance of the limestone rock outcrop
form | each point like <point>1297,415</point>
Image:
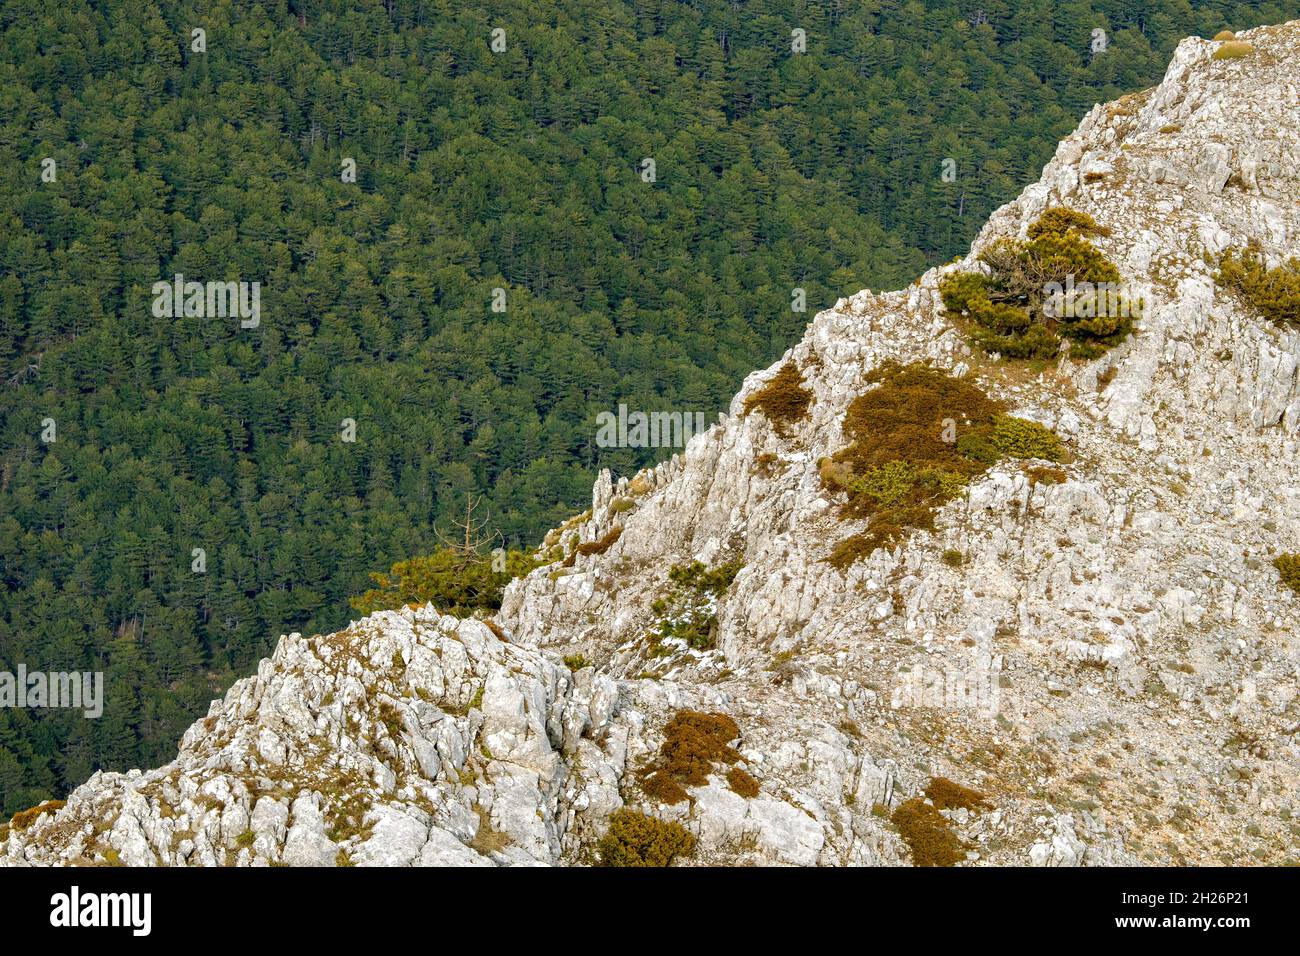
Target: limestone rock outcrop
<point>1111,663</point>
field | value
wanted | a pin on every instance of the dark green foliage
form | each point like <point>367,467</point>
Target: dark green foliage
<point>1274,293</point>
<point>453,581</point>
<point>916,441</point>
<point>688,611</point>
<point>636,839</point>
<point>476,171</point>
<point>1008,310</point>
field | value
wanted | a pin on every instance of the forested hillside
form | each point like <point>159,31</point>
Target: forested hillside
<point>521,169</point>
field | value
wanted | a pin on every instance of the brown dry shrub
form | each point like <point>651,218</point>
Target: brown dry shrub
<point>693,742</point>
<point>742,783</point>
<point>947,795</point>
<point>599,546</point>
<point>783,400</point>
<point>926,832</point>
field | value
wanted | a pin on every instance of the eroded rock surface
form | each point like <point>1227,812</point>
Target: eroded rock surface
<point>1111,662</point>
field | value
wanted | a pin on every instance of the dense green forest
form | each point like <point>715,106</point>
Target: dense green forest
<point>518,168</point>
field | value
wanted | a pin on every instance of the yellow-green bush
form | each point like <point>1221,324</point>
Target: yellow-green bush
<point>1233,50</point>
<point>1288,566</point>
<point>636,839</point>
<point>1274,293</point>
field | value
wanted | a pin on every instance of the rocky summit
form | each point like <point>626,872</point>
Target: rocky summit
<point>1083,658</point>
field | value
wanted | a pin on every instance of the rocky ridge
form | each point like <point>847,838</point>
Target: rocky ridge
<point>1110,661</point>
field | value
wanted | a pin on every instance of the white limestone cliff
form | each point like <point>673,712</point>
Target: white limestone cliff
<point>1136,661</point>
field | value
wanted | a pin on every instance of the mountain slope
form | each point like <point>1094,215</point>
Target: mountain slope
<point>1106,657</point>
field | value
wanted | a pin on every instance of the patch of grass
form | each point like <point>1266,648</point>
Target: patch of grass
<point>915,443</point>
<point>576,662</point>
<point>1225,35</point>
<point>1274,293</point>
<point>637,839</point>
<point>1045,475</point>
<point>693,742</point>
<point>783,400</point>
<point>245,839</point>
<point>391,718</point>
<point>487,839</point>
<point>25,818</point>
<point>953,558</point>
<point>1010,312</point>
<point>1288,566</point>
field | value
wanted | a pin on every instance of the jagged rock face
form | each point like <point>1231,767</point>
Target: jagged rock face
<point>1113,663</point>
<point>409,738</point>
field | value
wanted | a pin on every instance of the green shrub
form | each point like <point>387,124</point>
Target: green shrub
<point>454,581</point>
<point>783,400</point>
<point>953,558</point>
<point>687,612</point>
<point>1274,293</point>
<point>636,839</point>
<point>1007,311</point>
<point>1225,35</point>
<point>1288,566</point>
<point>1059,220</point>
<point>576,662</point>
